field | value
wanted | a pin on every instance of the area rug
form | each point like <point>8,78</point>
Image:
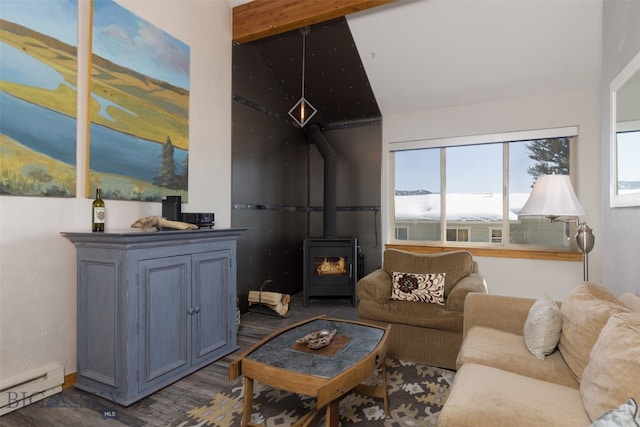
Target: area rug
<point>416,395</point>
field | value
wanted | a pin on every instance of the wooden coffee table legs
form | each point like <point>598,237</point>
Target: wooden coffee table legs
<point>376,391</point>
<point>332,415</point>
<point>248,402</point>
<point>332,410</point>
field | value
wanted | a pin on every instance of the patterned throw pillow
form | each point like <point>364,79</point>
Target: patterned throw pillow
<point>418,287</point>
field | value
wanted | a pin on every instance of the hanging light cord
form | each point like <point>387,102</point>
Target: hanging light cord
<point>303,107</point>
<point>304,44</point>
<point>304,31</point>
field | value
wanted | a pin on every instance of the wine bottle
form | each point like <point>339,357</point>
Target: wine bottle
<point>98,213</point>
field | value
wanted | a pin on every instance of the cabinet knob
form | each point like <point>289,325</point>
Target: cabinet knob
<point>197,309</point>
<point>191,311</point>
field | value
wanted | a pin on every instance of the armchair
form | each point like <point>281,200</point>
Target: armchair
<point>421,332</point>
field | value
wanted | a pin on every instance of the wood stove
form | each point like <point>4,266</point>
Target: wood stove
<point>330,263</point>
<point>330,268</point>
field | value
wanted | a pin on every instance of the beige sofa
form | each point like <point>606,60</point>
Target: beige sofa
<point>422,332</point>
<point>595,367</point>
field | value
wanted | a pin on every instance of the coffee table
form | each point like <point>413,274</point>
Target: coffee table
<point>329,373</point>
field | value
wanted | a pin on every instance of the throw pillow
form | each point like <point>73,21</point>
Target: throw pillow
<point>613,372</point>
<point>418,287</point>
<point>542,327</point>
<point>631,300</point>
<point>626,415</point>
<point>584,313</point>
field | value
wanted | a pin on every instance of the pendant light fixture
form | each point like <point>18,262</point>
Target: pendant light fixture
<point>303,111</point>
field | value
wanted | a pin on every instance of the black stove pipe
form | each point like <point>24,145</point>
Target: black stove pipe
<point>327,153</point>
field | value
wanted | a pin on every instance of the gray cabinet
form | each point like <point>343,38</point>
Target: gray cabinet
<point>152,308</point>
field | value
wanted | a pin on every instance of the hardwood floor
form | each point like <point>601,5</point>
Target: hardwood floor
<point>74,407</point>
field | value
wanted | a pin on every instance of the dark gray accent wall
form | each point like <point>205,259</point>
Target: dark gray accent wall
<point>358,152</point>
<point>277,180</point>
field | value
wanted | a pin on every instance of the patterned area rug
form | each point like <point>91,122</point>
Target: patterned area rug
<point>416,395</point>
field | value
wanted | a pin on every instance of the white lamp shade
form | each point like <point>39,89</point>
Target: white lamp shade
<point>552,195</point>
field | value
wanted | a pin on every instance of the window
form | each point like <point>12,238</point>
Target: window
<point>628,176</point>
<point>470,189</point>
<point>402,233</point>
<point>496,235</point>
<point>457,234</point>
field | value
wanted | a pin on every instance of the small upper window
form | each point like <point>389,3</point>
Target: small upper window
<point>401,233</point>
<point>457,234</point>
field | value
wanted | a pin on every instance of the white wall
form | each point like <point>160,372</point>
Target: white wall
<point>518,277</point>
<point>621,234</point>
<point>37,265</point>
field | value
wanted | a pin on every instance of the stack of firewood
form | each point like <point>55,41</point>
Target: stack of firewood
<point>276,301</point>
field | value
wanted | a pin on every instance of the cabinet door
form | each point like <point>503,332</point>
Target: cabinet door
<point>164,323</point>
<point>211,299</point>
<point>99,334</point>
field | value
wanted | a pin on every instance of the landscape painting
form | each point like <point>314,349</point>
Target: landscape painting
<point>139,111</point>
<point>38,93</point>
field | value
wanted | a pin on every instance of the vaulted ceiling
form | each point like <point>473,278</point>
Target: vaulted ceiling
<point>429,54</point>
<point>336,83</point>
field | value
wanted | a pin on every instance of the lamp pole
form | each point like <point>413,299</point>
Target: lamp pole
<point>585,240</point>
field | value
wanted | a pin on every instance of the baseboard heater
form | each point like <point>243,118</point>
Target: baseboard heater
<point>28,388</point>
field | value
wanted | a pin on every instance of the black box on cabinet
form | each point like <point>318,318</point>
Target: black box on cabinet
<point>172,208</point>
<point>201,219</point>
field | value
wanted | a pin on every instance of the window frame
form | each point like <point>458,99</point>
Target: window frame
<point>504,138</point>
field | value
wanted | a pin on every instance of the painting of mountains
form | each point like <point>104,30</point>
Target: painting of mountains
<point>139,108</point>
<point>38,93</point>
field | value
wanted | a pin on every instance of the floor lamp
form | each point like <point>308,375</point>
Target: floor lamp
<point>553,196</point>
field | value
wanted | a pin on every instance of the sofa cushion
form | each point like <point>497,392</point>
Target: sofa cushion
<point>507,351</point>
<point>613,373</point>
<point>626,415</point>
<point>584,313</point>
<point>412,313</point>
<point>456,265</point>
<point>486,396</point>
<point>542,327</point>
<point>418,287</point>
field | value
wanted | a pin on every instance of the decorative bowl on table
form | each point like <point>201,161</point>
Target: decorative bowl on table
<point>317,339</point>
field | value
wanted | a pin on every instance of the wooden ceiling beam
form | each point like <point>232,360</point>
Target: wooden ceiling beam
<point>263,18</point>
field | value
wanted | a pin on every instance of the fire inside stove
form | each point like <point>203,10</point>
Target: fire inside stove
<point>330,266</point>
